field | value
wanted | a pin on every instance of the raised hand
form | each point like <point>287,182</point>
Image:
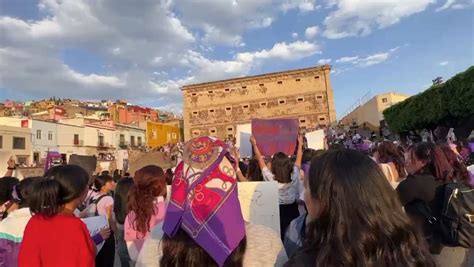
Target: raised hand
<point>105,233</point>
<point>253,141</point>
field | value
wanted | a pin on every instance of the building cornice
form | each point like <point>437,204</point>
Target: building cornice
<point>255,78</point>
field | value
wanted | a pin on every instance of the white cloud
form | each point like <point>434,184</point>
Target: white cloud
<point>373,59</point>
<point>205,69</point>
<point>138,59</point>
<point>302,5</point>
<point>443,63</point>
<point>311,32</point>
<point>283,51</point>
<point>324,61</point>
<point>225,21</point>
<point>361,17</point>
<point>369,60</point>
<point>347,59</point>
<point>455,4</point>
<point>294,35</point>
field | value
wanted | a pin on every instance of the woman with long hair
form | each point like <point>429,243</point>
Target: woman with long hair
<point>54,236</point>
<point>104,206</point>
<point>423,190</point>
<point>355,216</point>
<point>460,172</point>
<point>391,161</point>
<point>288,176</point>
<point>206,226</point>
<point>254,173</point>
<point>120,210</point>
<point>146,207</point>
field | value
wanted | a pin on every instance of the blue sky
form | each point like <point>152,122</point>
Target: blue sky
<point>143,51</point>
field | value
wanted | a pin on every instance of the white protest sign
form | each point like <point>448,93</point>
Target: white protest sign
<point>94,225</point>
<point>258,202</point>
<point>242,138</point>
<point>315,139</point>
<point>245,146</point>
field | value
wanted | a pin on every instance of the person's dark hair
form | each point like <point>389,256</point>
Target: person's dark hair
<point>117,175</point>
<point>389,152</point>
<point>127,174</point>
<point>336,146</point>
<point>308,155</point>
<point>379,234</point>
<point>254,173</point>
<point>281,168</point>
<point>61,185</point>
<point>24,189</point>
<point>460,172</point>
<point>105,173</point>
<point>7,184</point>
<point>121,198</point>
<point>149,183</point>
<point>101,180</point>
<point>169,176</point>
<point>243,167</point>
<point>436,162</point>
<point>182,250</point>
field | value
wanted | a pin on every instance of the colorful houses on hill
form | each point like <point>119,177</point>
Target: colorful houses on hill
<point>72,127</point>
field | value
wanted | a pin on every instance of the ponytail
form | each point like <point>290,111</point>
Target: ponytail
<point>44,198</point>
<point>60,185</point>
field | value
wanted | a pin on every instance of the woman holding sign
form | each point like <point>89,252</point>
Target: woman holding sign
<point>287,176</point>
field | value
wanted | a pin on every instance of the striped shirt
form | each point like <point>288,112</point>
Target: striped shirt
<point>11,235</point>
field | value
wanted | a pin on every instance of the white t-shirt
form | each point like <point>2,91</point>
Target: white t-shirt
<point>264,248</point>
<point>387,170</point>
<point>288,193</point>
<point>103,204</point>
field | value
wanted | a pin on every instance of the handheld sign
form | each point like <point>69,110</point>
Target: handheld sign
<point>94,225</point>
<point>315,139</point>
<point>242,137</point>
<point>142,159</point>
<point>245,146</point>
<point>258,203</point>
<point>88,163</point>
<point>278,135</point>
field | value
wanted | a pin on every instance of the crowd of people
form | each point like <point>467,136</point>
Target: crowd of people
<point>360,202</point>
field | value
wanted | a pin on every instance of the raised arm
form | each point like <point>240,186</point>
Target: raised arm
<point>299,152</point>
<point>258,155</point>
<point>240,176</point>
<point>11,167</point>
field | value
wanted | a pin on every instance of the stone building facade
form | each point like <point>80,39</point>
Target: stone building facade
<point>216,108</point>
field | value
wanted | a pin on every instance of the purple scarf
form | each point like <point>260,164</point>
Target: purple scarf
<point>204,200</point>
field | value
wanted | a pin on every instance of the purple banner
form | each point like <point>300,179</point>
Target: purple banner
<point>279,135</point>
<point>51,159</point>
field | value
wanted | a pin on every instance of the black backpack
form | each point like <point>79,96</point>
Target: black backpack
<point>455,224</point>
<point>95,202</point>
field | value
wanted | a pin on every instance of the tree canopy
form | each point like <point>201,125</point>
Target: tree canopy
<point>449,104</point>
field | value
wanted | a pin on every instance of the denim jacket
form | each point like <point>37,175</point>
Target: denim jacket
<point>295,235</point>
